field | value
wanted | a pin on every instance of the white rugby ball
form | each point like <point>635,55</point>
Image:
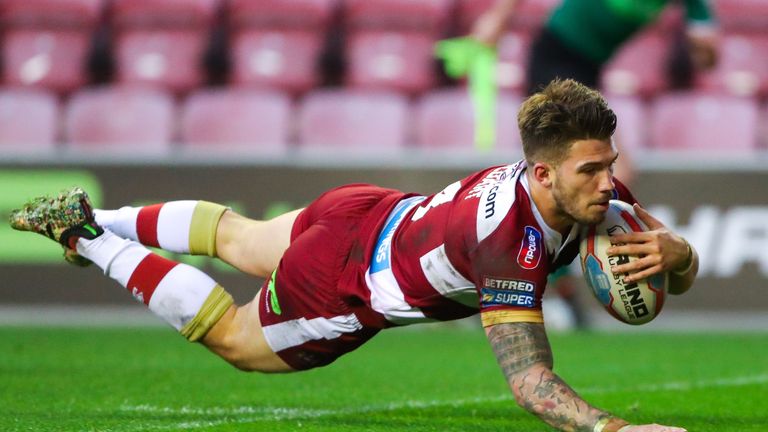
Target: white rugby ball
<point>634,302</point>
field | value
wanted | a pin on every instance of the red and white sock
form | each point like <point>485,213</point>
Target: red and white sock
<point>176,226</point>
<point>165,225</point>
<point>176,292</point>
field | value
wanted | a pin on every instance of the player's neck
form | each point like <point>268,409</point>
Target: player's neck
<point>545,203</point>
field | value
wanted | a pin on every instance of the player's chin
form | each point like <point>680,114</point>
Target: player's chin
<point>595,215</point>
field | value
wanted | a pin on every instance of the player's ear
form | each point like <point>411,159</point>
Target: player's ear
<point>542,173</point>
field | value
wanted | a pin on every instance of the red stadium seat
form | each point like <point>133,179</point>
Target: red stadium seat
<point>391,60</point>
<point>282,59</point>
<point>445,120</point>
<point>28,121</point>
<point>638,67</point>
<point>704,122</point>
<point>359,122</point>
<point>236,120</point>
<point>52,59</point>
<point>429,16</point>
<point>47,42</point>
<point>632,123</point>
<point>163,13</point>
<point>740,15</point>
<point>120,119</point>
<point>162,42</point>
<point>512,56</point>
<point>742,67</point>
<point>170,59</point>
<point>280,14</point>
<point>50,13</point>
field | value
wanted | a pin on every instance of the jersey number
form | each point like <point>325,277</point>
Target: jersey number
<point>442,197</point>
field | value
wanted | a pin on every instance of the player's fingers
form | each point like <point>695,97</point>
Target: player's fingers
<point>644,274</point>
<point>637,265</point>
<point>651,222</point>
<point>636,237</point>
<point>636,249</point>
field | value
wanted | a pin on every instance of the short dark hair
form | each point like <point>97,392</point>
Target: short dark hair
<point>563,112</point>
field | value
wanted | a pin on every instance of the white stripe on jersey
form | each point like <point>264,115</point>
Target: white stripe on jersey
<point>444,277</point>
<point>293,333</point>
<point>387,299</point>
<point>496,198</point>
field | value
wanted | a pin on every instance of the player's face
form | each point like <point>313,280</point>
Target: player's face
<point>584,181</point>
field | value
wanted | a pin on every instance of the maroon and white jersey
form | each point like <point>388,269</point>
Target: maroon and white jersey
<point>478,245</point>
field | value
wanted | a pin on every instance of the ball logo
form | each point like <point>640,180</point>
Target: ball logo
<point>530,249</point>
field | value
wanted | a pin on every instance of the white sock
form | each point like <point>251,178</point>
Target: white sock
<point>175,292</point>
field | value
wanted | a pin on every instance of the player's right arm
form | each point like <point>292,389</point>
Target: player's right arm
<point>524,355</point>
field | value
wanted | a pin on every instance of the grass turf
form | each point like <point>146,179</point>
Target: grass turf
<point>438,379</point>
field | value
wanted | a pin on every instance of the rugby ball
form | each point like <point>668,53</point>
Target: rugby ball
<point>635,302</point>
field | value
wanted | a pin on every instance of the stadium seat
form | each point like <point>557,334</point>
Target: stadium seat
<point>28,121</point>
<point>283,59</point>
<point>162,42</point>
<point>168,58</point>
<point>120,119</point>
<point>742,67</point>
<point>46,43</point>
<point>638,67</point>
<point>280,14</point>
<point>353,121</point>
<point>741,15</point>
<point>256,122</point>
<point>50,13</point>
<point>529,14</point>
<point>401,61</point>
<point>445,120</point>
<point>428,16</point>
<point>512,55</point>
<point>632,123</point>
<point>704,122</point>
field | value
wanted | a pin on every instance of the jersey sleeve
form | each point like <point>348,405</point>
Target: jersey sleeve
<point>510,274</point>
<point>622,193</point>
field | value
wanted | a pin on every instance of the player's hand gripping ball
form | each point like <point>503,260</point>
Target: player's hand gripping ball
<point>632,302</point>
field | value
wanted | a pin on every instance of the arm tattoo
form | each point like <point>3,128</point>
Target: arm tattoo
<point>525,357</point>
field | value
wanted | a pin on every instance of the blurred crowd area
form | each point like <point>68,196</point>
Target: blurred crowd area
<point>269,76</point>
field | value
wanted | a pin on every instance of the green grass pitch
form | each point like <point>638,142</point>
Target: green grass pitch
<point>438,379</point>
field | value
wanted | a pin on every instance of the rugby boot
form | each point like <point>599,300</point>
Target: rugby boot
<point>63,218</point>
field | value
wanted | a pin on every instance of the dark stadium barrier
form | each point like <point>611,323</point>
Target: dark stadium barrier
<point>724,214</point>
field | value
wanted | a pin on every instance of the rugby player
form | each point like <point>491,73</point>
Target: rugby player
<point>362,258</point>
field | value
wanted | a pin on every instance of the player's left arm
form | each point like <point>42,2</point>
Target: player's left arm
<point>524,355</point>
<point>660,251</point>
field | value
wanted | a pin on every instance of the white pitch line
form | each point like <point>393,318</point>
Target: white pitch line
<point>249,414</point>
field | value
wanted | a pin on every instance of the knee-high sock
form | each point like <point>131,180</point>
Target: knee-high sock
<point>176,226</point>
<point>186,298</point>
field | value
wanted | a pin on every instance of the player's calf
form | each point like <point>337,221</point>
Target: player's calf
<point>183,296</point>
<point>176,226</point>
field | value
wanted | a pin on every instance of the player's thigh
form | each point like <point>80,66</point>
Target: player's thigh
<point>239,339</point>
<point>254,246</point>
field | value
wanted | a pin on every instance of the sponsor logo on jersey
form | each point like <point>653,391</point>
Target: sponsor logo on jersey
<point>493,178</point>
<point>531,249</point>
<point>508,284</point>
<point>381,254</point>
<point>494,297</point>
